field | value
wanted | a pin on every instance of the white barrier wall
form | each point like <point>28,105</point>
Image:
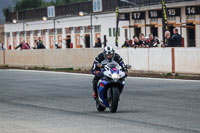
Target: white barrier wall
<point>124,54</point>
<point>160,60</point>
<point>138,59</point>
<point>24,58</point>
<point>77,58</point>
<point>187,60</point>
<point>1,58</point>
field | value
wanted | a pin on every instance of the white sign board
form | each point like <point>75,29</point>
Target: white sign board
<point>50,11</point>
<point>97,6</point>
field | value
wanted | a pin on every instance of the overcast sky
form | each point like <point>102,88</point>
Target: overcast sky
<point>4,4</point>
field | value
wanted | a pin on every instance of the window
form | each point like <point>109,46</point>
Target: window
<point>21,34</point>
<point>77,30</point>
<point>43,32</point>
<point>8,34</point>
<point>68,30</point>
<point>171,18</point>
<point>51,31</point>
<point>28,33</point>
<point>110,32</point>
<point>97,28</point>
<point>35,33</point>
<point>14,34</point>
<point>190,16</point>
<point>86,29</point>
<point>114,31</point>
<point>154,20</point>
<point>59,31</point>
<point>126,33</point>
<point>118,31</point>
<point>137,21</point>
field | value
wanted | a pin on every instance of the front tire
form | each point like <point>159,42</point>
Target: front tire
<point>99,106</point>
<point>114,99</point>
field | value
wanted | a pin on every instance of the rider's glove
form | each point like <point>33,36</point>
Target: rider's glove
<point>97,73</point>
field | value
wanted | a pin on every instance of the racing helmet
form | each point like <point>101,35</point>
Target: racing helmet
<point>109,53</point>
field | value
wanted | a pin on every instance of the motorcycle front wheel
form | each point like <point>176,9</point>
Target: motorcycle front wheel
<point>114,99</point>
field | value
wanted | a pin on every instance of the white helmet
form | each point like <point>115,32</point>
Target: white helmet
<point>109,53</point>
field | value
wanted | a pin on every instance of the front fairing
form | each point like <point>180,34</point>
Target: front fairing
<point>107,82</point>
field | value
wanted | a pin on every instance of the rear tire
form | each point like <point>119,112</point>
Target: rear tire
<point>114,100</point>
<point>99,106</point>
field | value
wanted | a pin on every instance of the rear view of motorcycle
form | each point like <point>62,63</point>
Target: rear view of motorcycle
<point>110,86</point>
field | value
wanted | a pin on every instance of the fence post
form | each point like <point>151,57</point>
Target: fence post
<point>173,61</point>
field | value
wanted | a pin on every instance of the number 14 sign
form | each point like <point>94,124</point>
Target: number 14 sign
<point>192,10</point>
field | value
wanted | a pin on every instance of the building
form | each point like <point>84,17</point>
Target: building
<point>1,33</point>
<point>65,27</point>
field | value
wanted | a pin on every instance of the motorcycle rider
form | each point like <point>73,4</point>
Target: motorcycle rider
<point>108,55</point>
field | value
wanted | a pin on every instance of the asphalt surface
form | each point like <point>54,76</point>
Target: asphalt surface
<point>42,102</point>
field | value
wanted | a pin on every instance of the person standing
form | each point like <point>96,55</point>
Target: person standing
<point>170,42</point>
<point>39,45</point>
<point>177,38</point>
<point>2,46</point>
<point>98,43</point>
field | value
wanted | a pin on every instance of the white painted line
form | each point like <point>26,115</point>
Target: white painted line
<point>166,79</point>
<point>90,75</point>
<point>65,73</point>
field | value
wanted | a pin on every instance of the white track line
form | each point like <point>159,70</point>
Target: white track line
<point>90,75</point>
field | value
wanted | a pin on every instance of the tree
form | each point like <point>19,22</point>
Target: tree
<point>27,4</point>
<point>21,5</point>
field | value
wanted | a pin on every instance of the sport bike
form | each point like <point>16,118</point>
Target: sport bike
<point>110,86</point>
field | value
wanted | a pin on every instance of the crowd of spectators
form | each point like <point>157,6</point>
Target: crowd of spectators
<point>25,46</point>
<point>152,41</point>
<point>140,41</point>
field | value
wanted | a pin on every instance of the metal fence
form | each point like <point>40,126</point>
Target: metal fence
<point>74,9</point>
<point>148,2</point>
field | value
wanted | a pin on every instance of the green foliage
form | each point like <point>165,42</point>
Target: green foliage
<point>27,4</point>
<point>21,5</point>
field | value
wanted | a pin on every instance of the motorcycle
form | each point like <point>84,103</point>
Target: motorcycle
<point>110,86</point>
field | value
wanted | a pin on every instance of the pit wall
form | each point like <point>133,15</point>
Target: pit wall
<point>1,58</point>
<point>166,60</point>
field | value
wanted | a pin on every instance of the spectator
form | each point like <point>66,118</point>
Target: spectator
<point>126,44</point>
<point>169,42</point>
<point>152,41</point>
<point>57,46</point>
<point>23,46</point>
<point>39,45</point>
<point>39,40</point>
<point>2,46</point>
<point>98,43</point>
<point>136,41</point>
<point>177,38</point>
<point>142,41</point>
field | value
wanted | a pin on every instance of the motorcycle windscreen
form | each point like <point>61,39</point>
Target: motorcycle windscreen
<point>113,65</point>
